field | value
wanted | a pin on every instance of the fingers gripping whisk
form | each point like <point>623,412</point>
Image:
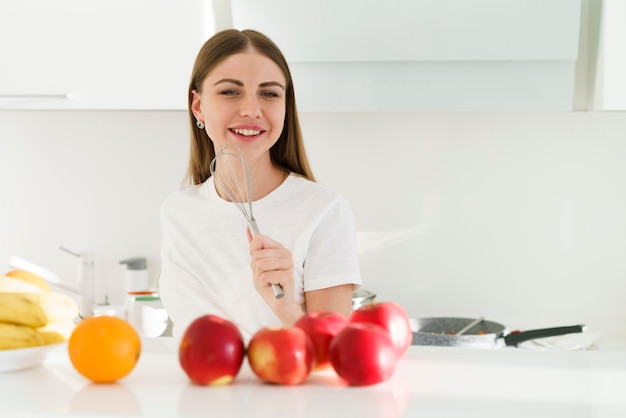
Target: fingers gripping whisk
<point>231,175</point>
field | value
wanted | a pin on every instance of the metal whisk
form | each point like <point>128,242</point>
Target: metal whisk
<point>225,171</point>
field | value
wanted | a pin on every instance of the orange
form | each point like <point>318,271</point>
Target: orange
<point>104,348</point>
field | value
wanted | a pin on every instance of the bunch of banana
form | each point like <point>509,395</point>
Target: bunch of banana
<point>31,313</point>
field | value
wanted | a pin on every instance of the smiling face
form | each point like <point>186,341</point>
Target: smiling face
<point>242,101</point>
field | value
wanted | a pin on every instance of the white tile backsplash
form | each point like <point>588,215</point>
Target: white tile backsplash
<point>519,217</point>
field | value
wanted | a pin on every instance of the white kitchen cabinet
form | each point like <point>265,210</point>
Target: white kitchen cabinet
<point>113,54</point>
<point>424,55</point>
<point>608,66</point>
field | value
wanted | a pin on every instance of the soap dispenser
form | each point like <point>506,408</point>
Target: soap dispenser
<point>136,275</point>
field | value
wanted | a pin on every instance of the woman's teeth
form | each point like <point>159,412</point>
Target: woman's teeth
<point>246,132</point>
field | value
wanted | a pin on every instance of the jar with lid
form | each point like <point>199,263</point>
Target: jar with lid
<point>145,312</point>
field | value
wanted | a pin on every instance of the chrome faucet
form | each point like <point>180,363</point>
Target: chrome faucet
<point>86,288</point>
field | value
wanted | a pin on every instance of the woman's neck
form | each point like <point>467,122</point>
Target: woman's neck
<point>266,180</point>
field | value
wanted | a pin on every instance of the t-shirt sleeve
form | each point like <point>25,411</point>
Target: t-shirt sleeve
<point>332,258</point>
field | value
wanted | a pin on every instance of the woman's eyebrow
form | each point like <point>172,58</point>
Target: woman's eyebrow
<point>240,83</point>
<point>272,83</point>
<point>228,80</point>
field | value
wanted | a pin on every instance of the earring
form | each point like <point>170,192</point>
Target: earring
<point>199,124</point>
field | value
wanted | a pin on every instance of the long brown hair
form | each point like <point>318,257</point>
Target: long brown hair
<point>288,152</point>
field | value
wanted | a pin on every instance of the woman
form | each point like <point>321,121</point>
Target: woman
<point>241,92</point>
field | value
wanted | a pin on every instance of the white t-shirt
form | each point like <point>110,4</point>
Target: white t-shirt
<point>205,252</point>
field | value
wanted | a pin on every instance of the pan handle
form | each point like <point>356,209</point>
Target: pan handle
<point>514,338</point>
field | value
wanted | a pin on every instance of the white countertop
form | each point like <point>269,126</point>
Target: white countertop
<point>429,382</point>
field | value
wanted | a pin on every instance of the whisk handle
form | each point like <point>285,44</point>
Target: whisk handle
<point>254,229</point>
<point>278,291</point>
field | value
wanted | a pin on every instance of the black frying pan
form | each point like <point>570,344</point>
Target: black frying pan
<point>484,334</point>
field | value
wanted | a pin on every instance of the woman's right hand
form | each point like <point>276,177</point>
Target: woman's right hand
<point>272,263</point>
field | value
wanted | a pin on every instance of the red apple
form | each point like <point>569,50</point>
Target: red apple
<point>281,355</point>
<point>321,327</point>
<point>393,318</point>
<point>363,354</point>
<point>211,351</point>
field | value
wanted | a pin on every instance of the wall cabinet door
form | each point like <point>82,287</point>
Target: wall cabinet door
<point>113,54</point>
<point>424,55</point>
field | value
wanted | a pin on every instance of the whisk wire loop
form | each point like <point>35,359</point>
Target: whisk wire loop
<point>224,169</point>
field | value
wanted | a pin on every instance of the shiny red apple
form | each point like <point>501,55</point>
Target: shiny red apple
<point>281,355</point>
<point>392,317</point>
<point>211,351</point>
<point>362,354</point>
<point>321,327</point>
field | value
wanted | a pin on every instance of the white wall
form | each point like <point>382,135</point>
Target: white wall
<point>88,181</point>
<point>520,217</point>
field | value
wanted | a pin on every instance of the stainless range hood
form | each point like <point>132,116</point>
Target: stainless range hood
<point>424,55</point>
